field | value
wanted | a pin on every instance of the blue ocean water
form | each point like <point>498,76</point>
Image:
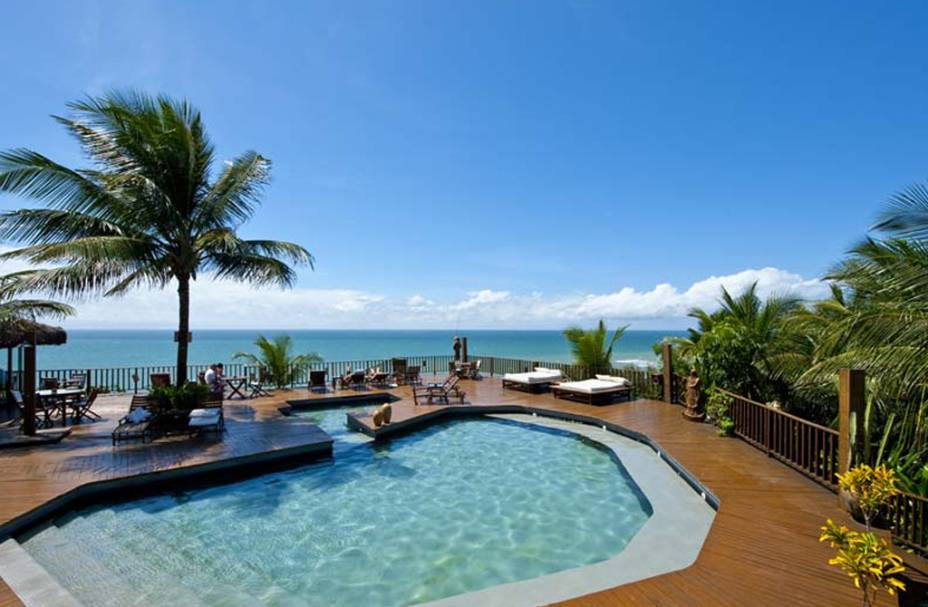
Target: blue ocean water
<point>114,348</point>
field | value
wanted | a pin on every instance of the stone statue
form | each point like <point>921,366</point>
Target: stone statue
<point>693,396</point>
<point>457,348</point>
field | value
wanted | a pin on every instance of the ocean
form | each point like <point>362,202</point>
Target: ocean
<point>116,348</point>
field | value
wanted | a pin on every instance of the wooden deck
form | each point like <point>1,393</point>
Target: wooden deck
<point>763,547</point>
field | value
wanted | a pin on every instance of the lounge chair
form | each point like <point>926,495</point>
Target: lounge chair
<point>317,381</point>
<point>207,418</point>
<point>139,423</point>
<point>533,381</point>
<point>443,391</point>
<point>376,377</point>
<point>412,375</point>
<point>49,383</point>
<point>351,379</point>
<point>601,390</point>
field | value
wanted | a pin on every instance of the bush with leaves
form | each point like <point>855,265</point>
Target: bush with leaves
<point>871,487</point>
<point>866,559</point>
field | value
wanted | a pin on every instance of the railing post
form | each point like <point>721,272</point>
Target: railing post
<point>29,390</point>
<point>851,404</point>
<point>667,360</point>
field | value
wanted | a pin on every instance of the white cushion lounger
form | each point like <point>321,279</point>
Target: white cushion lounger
<point>539,377</point>
<point>207,418</point>
<point>589,389</point>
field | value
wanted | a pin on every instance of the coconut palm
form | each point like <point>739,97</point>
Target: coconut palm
<point>276,357</point>
<point>149,212</point>
<point>593,348</point>
<point>735,345</point>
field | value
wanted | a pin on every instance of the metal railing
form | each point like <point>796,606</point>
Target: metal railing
<point>138,378</point>
<point>808,447</point>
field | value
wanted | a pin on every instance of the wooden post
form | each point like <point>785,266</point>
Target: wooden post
<point>464,349</point>
<point>667,359</point>
<point>29,390</point>
<point>851,403</point>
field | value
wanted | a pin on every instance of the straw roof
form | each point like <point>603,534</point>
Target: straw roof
<point>24,332</point>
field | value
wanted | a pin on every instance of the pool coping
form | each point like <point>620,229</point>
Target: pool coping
<point>398,428</point>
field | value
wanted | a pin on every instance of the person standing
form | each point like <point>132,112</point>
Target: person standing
<point>457,348</point>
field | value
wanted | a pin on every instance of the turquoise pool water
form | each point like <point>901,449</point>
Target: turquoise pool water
<point>453,508</point>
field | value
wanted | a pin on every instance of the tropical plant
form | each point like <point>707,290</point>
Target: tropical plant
<point>733,347</point>
<point>276,357</point>
<point>593,348</point>
<point>148,212</point>
<point>870,487</point>
<point>866,559</point>
<point>14,309</point>
<point>182,398</point>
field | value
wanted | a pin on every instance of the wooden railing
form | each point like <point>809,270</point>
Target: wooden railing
<point>908,521</point>
<point>808,447</point>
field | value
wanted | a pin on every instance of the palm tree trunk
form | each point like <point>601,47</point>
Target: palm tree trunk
<point>183,328</point>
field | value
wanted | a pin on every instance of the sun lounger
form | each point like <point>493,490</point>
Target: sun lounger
<point>137,424</point>
<point>207,418</point>
<point>601,390</point>
<point>444,391</point>
<point>533,381</point>
<point>317,381</point>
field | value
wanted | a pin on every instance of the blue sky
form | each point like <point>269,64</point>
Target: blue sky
<point>493,164</point>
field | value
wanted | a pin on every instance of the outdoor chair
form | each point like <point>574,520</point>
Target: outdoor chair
<point>209,417</point>
<point>160,380</point>
<point>138,423</point>
<point>399,370</point>
<point>317,381</point>
<point>352,380</point>
<point>83,407</point>
<point>412,375</point>
<point>257,387</point>
<point>77,380</point>
<point>49,383</point>
<point>443,391</point>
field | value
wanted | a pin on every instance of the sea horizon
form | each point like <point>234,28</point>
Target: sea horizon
<point>94,348</point>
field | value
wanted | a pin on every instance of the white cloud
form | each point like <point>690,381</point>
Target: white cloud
<point>222,304</point>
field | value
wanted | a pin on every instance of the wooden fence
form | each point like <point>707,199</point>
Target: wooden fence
<point>808,447</point>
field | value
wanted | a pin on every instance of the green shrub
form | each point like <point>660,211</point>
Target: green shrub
<point>726,426</point>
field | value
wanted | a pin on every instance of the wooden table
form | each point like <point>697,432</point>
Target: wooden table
<point>60,398</point>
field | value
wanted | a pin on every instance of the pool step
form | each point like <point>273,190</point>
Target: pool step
<point>29,580</point>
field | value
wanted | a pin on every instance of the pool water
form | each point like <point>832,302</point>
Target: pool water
<point>454,508</point>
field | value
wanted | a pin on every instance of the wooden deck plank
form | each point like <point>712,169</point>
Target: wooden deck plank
<point>762,549</point>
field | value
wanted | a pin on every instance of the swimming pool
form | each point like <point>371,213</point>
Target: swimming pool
<point>453,508</point>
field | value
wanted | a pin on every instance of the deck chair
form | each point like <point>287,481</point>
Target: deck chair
<point>412,375</point>
<point>138,423</point>
<point>44,415</point>
<point>257,387</point>
<point>317,381</point>
<point>49,383</point>
<point>443,391</point>
<point>83,407</point>
<point>208,417</point>
<point>77,380</point>
<point>160,380</point>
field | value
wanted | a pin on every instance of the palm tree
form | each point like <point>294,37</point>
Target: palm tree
<point>593,348</point>
<point>275,356</point>
<point>147,213</point>
<point>735,346</point>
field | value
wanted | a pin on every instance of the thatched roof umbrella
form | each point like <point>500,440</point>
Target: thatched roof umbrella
<point>28,332</point>
<point>21,332</point>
